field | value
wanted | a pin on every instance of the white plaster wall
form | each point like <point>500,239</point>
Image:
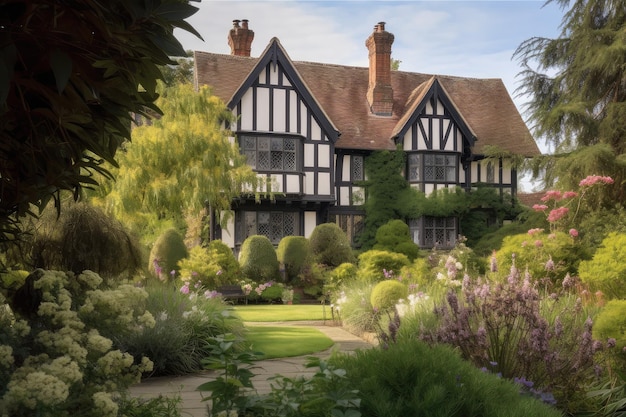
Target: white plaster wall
<point>246,111</point>
<point>309,183</point>
<point>228,233</point>
<point>309,155</point>
<point>323,155</point>
<point>262,108</point>
<point>323,188</point>
<point>280,124</point>
<point>293,184</point>
<point>310,221</point>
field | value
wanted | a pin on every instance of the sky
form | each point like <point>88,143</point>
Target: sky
<point>464,38</point>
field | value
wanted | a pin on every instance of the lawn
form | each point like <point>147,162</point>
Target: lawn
<point>282,312</point>
<point>286,341</point>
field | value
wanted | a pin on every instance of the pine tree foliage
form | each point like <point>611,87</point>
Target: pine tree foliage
<point>183,162</point>
<point>577,89</point>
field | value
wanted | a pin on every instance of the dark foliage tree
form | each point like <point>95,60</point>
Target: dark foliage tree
<point>577,89</point>
<point>71,75</point>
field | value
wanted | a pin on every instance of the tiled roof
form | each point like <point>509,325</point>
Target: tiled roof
<point>485,104</point>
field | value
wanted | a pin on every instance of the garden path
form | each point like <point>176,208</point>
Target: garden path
<point>185,386</point>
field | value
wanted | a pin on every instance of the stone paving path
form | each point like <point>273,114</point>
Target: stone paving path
<point>185,386</point>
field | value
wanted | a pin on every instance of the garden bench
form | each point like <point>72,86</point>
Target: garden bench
<point>233,293</point>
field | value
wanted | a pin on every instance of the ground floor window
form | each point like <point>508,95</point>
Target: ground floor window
<point>273,224</point>
<point>429,232</point>
<point>351,224</point>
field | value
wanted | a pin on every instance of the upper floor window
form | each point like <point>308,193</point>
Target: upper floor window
<point>271,153</point>
<point>433,167</point>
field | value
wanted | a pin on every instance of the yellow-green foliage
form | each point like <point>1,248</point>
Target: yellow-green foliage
<point>611,322</point>
<point>418,272</point>
<point>374,263</point>
<point>606,272</point>
<point>534,250</point>
<point>387,293</point>
<point>167,251</point>
<point>211,267</point>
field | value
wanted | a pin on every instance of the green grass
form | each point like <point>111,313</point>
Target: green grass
<point>286,341</point>
<point>282,312</point>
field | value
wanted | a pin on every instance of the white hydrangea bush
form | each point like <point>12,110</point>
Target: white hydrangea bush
<point>55,361</point>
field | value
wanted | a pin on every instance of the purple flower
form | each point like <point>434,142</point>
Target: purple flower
<point>610,343</point>
<point>185,288</point>
<point>550,264</point>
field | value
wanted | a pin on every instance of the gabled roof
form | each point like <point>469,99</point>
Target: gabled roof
<point>418,100</point>
<point>341,92</point>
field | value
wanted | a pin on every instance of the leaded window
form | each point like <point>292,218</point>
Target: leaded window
<point>357,168</point>
<point>273,224</point>
<point>271,153</point>
<point>432,167</point>
<point>429,232</point>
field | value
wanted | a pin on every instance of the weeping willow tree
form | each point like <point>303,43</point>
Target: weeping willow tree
<point>182,163</point>
<point>577,89</point>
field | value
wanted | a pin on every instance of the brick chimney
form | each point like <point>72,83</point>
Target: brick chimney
<point>240,38</point>
<point>379,92</point>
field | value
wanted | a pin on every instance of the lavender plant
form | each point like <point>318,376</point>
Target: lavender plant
<point>506,325</point>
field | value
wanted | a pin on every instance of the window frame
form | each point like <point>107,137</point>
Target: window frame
<point>266,150</point>
<point>418,164</point>
<point>247,224</point>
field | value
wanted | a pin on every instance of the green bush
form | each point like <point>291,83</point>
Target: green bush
<point>330,245</point>
<point>258,259</point>
<point>606,272</point>
<point>611,323</point>
<point>412,379</point>
<point>82,238</point>
<point>210,267</point>
<point>386,294</point>
<point>344,273</point>
<point>167,251</point>
<point>294,253</point>
<point>395,236</point>
<point>418,272</point>
<point>535,249</point>
<point>376,265</point>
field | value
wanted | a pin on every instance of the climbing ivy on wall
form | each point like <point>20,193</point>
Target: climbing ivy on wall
<point>390,197</point>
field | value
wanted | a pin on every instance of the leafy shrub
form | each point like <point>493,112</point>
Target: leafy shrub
<point>294,253</point>
<point>411,378</point>
<point>545,255</point>
<point>167,251</point>
<point>82,238</point>
<point>258,259</point>
<point>54,359</point>
<point>374,265</point>
<point>177,342</point>
<point>330,245</point>
<point>610,324</point>
<point>210,267</point>
<point>340,275</point>
<point>386,294</point>
<point>418,272</point>
<point>395,236</point>
<point>606,272</point>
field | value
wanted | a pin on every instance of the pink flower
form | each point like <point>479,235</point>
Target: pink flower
<point>185,288</point>
<point>557,214</point>
<point>540,207</point>
<point>534,231</point>
<point>552,195</point>
<point>569,194</point>
<point>573,232</point>
<point>538,243</point>
<point>595,179</point>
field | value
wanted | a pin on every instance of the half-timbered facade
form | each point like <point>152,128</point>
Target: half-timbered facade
<point>307,128</point>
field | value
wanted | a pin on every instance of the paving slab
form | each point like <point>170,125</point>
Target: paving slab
<point>192,400</point>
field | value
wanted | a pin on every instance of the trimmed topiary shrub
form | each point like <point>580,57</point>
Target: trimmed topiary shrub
<point>395,236</point>
<point>376,265</point>
<point>606,272</point>
<point>386,294</point>
<point>295,254</point>
<point>167,251</point>
<point>339,276</point>
<point>330,245</point>
<point>258,259</point>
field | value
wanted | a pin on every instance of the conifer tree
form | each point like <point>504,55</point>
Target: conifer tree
<point>577,89</point>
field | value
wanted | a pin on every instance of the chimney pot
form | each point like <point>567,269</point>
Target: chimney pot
<point>240,38</point>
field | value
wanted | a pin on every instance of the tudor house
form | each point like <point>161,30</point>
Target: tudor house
<point>308,127</point>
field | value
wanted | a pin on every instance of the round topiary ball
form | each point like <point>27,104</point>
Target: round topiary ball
<point>168,249</point>
<point>386,294</point>
<point>258,259</point>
